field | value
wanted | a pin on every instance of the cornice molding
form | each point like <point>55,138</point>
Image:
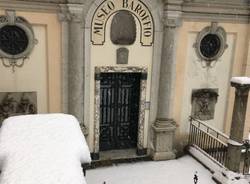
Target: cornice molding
<point>223,10</point>
<point>65,11</point>
<point>33,6</point>
<point>193,10</point>
<point>45,1</point>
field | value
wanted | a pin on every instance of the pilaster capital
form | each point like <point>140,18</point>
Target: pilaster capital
<point>71,12</point>
<point>76,12</point>
<point>240,86</point>
<point>172,22</point>
<point>63,15</point>
<point>172,19</point>
<point>173,13</point>
<point>241,90</point>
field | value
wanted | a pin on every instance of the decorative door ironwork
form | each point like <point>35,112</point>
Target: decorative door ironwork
<point>119,110</point>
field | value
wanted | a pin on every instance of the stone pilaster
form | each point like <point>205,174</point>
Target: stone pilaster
<point>237,126</point>
<point>73,61</point>
<point>64,17</point>
<point>164,127</point>
<point>167,72</point>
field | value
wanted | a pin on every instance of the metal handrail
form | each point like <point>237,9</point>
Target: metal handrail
<point>215,143</point>
<point>217,134</point>
<point>210,140</point>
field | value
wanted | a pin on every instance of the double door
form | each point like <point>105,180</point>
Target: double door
<point>119,110</point>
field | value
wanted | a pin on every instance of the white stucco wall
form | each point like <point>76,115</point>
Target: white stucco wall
<point>191,75</point>
<point>32,77</point>
<point>41,72</point>
<point>197,76</point>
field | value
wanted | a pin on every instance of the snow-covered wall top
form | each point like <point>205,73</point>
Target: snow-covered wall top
<point>241,80</point>
<point>42,149</point>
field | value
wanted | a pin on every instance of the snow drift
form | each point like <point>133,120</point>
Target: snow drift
<point>42,149</point>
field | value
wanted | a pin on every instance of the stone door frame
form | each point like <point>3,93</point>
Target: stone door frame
<point>141,150</point>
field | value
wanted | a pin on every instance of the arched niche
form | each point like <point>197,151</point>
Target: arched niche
<point>123,28</point>
<point>109,7</point>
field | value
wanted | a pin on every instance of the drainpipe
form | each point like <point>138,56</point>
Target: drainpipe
<point>242,86</point>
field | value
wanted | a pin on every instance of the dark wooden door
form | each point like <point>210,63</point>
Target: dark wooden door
<point>119,110</point>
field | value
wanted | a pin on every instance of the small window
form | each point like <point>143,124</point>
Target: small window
<point>210,45</point>
<point>13,39</point>
<point>123,28</point>
<point>16,37</point>
<point>16,40</point>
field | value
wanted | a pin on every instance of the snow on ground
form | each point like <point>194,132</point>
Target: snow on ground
<point>179,171</point>
<point>42,149</point>
<point>220,173</point>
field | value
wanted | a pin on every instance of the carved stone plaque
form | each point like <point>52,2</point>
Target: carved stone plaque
<point>203,103</point>
<point>17,103</point>
<point>122,56</point>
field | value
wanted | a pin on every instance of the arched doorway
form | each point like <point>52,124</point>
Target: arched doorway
<point>118,67</point>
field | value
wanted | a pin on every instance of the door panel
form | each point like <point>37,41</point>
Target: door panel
<point>119,106</point>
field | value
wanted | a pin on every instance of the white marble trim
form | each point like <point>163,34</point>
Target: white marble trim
<point>143,87</point>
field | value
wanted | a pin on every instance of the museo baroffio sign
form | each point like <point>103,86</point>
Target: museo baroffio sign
<point>109,7</point>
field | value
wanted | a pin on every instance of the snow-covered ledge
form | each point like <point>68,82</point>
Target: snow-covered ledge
<point>241,80</point>
<point>42,148</point>
<point>234,143</point>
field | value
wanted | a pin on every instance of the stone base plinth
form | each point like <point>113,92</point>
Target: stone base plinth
<point>233,156</point>
<point>163,155</point>
<point>163,137</point>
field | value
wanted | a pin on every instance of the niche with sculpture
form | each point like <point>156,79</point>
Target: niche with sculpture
<point>17,103</point>
<point>203,103</point>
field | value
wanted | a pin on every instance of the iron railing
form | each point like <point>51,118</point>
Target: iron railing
<point>212,141</point>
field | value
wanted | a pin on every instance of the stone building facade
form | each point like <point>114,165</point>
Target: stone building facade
<point>131,71</point>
